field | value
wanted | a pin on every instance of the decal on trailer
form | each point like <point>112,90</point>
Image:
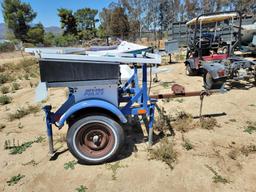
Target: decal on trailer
<point>94,92</point>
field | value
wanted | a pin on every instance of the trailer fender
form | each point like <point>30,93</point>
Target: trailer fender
<point>216,70</point>
<point>88,104</point>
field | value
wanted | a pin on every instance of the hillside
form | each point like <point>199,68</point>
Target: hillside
<point>52,29</point>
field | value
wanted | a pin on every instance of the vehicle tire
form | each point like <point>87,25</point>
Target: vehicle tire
<point>95,139</point>
<point>210,83</point>
<point>190,71</point>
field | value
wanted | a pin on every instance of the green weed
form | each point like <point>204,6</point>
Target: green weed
<point>251,127</point>
<point>187,145</point>
<point>166,84</point>
<point>70,165</point>
<point>81,188</point>
<point>114,167</point>
<point>16,148</point>
<point>15,179</point>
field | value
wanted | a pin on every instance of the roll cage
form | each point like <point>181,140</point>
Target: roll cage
<point>202,41</point>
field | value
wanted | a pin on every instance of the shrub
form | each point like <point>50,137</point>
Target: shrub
<point>3,78</point>
<point>5,89</point>
<point>65,40</point>
<point>15,86</point>
<point>7,47</point>
<point>4,100</point>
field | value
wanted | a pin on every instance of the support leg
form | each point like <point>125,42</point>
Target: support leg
<point>47,110</point>
<point>150,125</point>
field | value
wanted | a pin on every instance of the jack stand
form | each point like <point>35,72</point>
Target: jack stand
<point>202,94</point>
<point>47,110</point>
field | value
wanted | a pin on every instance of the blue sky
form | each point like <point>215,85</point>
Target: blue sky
<point>47,9</point>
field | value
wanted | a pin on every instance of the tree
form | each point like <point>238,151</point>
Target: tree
<point>101,33</point>
<point>114,21</point>
<point>119,23</point>
<point>105,19</point>
<point>36,34</point>
<point>191,8</point>
<point>166,17</point>
<point>86,22</point>
<point>18,16</point>
<point>134,10</point>
<point>68,21</point>
<point>245,6</point>
<point>49,39</point>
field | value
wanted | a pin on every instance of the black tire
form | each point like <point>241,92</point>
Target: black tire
<point>210,83</point>
<point>190,71</point>
<point>95,139</point>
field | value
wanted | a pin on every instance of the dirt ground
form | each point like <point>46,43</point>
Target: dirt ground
<point>194,170</point>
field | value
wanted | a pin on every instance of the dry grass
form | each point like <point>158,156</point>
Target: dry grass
<point>4,89</point>
<point>246,150</point>
<point>26,68</point>
<point>21,112</point>
<point>2,126</point>
<point>208,123</point>
<point>164,152</point>
<point>233,153</point>
<point>163,121</point>
<point>184,122</point>
<point>217,178</point>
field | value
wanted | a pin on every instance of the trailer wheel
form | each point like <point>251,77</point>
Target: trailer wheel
<point>190,71</point>
<point>95,139</point>
<point>210,83</point>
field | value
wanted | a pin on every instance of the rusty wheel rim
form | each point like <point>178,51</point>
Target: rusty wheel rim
<point>95,140</point>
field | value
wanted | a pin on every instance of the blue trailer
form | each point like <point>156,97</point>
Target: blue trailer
<point>99,102</point>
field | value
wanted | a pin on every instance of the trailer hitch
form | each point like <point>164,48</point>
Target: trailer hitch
<point>179,91</point>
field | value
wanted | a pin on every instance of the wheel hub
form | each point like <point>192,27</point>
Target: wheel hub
<point>95,140</point>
